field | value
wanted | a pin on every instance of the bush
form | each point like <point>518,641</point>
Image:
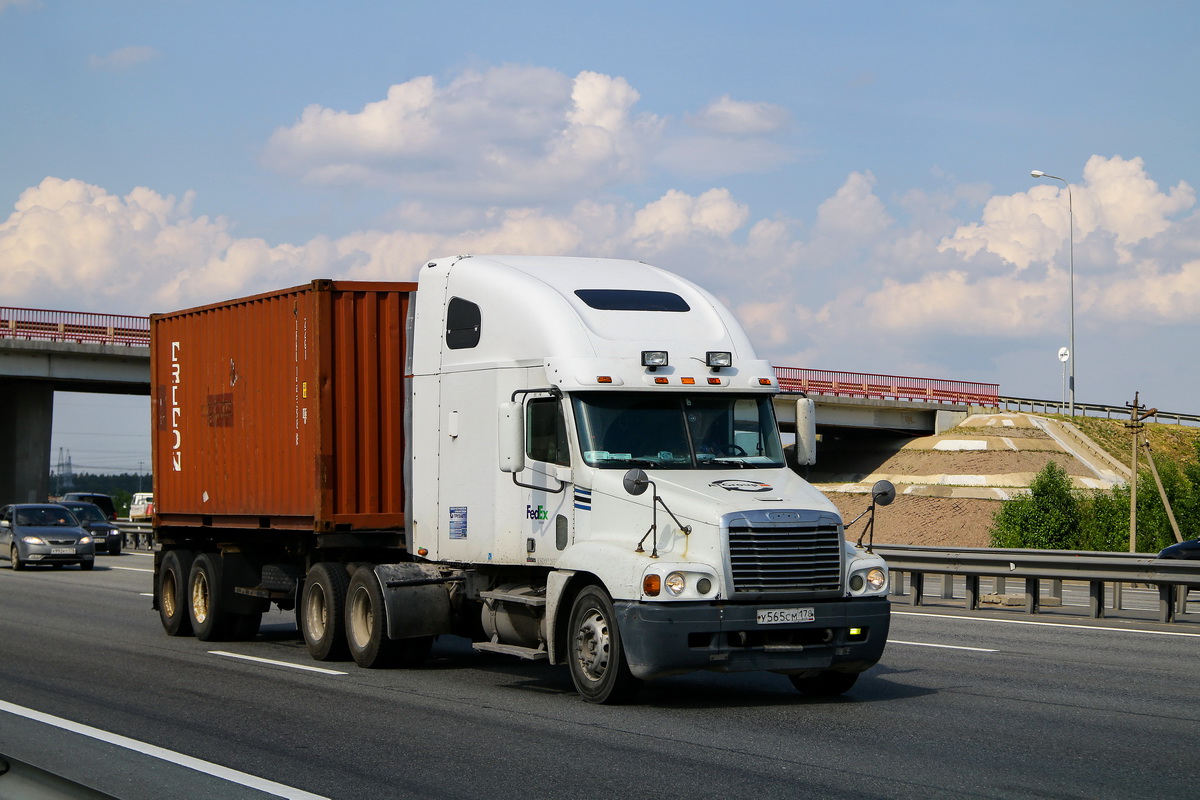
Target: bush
<point>1047,518</point>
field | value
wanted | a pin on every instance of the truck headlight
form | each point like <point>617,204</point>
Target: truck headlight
<point>876,579</point>
<point>675,583</point>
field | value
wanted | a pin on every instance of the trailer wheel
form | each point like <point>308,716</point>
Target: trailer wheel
<point>366,622</point>
<point>172,591</point>
<point>206,609</point>
<point>321,614</point>
<point>825,684</point>
<point>599,668</point>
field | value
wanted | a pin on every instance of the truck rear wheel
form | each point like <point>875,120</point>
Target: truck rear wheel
<point>599,668</point>
<point>206,608</point>
<point>366,622</point>
<point>172,589</point>
<point>826,684</point>
<point>322,611</point>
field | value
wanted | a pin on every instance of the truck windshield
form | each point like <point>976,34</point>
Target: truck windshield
<point>677,431</point>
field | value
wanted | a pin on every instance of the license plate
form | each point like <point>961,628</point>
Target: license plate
<point>62,551</point>
<point>783,616</point>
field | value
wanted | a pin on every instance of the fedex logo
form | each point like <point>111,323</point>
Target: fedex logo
<point>536,513</point>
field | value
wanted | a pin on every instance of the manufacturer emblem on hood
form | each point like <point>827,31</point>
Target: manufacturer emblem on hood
<point>734,485</point>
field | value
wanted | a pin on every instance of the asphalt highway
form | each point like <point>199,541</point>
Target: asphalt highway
<point>995,706</point>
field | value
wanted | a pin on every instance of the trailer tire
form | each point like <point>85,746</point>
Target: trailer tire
<point>322,611</point>
<point>825,684</point>
<point>596,656</point>
<point>366,623</point>
<point>172,590</point>
<point>206,602</point>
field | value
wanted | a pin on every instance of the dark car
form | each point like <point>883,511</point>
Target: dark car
<point>1189,549</point>
<point>104,501</point>
<point>92,519</point>
<point>44,533</point>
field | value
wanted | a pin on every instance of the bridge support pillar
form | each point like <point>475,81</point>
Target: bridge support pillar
<point>26,419</point>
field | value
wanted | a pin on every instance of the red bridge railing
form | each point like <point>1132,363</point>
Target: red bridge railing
<point>74,326</point>
<point>887,387</point>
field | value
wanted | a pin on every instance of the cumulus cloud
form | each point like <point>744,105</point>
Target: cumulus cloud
<point>1116,198</point>
<point>738,117</point>
<point>124,58</point>
<point>510,132</point>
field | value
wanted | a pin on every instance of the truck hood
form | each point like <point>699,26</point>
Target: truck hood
<point>703,496</point>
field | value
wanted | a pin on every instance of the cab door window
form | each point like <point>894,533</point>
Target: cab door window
<point>546,432</point>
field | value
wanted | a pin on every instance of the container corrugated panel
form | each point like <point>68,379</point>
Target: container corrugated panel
<point>283,410</point>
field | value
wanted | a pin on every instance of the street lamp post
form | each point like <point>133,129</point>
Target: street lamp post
<point>1037,173</point>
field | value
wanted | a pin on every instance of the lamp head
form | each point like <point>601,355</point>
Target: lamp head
<point>1037,173</point>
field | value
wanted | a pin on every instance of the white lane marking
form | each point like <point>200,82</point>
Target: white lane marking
<point>944,646</point>
<point>170,756</point>
<point>1049,624</point>
<point>133,569</point>
<point>146,594</point>
<point>277,663</point>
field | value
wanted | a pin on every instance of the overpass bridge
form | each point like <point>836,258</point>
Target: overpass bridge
<point>43,352</point>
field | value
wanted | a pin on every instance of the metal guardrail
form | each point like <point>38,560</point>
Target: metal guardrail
<point>1171,577</point>
<point>1059,407</point>
<point>886,387</point>
<point>74,326</point>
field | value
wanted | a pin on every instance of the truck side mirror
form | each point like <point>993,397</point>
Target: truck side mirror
<point>510,437</point>
<point>806,431</point>
<point>636,481</point>
<point>883,493</point>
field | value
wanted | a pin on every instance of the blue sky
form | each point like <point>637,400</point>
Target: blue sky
<point>851,178</point>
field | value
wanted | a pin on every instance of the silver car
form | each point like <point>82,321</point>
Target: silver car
<point>43,533</point>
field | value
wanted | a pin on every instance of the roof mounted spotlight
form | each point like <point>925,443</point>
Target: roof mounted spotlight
<point>716,359</point>
<point>653,359</point>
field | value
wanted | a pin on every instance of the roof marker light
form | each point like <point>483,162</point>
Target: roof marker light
<point>688,381</point>
<point>603,379</point>
<point>660,380</point>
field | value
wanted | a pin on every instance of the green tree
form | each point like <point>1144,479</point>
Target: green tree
<point>1047,518</point>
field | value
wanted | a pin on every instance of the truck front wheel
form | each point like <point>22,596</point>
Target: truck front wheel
<point>172,591</point>
<point>322,611</point>
<point>597,660</point>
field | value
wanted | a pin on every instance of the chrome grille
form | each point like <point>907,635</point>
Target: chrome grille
<point>797,557</point>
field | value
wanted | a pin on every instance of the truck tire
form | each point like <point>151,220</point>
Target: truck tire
<point>172,591</point>
<point>366,622</point>
<point>210,620</point>
<point>826,684</point>
<point>322,611</point>
<point>596,654</point>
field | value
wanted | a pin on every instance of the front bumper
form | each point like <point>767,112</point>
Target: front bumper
<point>672,638</point>
<point>44,553</point>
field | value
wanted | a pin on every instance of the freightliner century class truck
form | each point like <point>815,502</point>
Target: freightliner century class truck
<point>567,459</point>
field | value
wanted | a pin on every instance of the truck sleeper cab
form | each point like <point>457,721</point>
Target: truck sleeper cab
<point>590,473</point>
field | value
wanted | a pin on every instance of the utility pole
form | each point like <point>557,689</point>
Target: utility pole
<point>1137,413</point>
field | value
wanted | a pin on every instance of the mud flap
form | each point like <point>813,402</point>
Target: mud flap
<point>417,599</point>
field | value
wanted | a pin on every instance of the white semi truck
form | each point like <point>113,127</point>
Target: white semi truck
<point>564,459</point>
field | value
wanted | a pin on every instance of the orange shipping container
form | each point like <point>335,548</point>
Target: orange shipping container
<point>283,410</point>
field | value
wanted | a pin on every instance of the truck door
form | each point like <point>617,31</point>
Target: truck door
<point>550,502</point>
